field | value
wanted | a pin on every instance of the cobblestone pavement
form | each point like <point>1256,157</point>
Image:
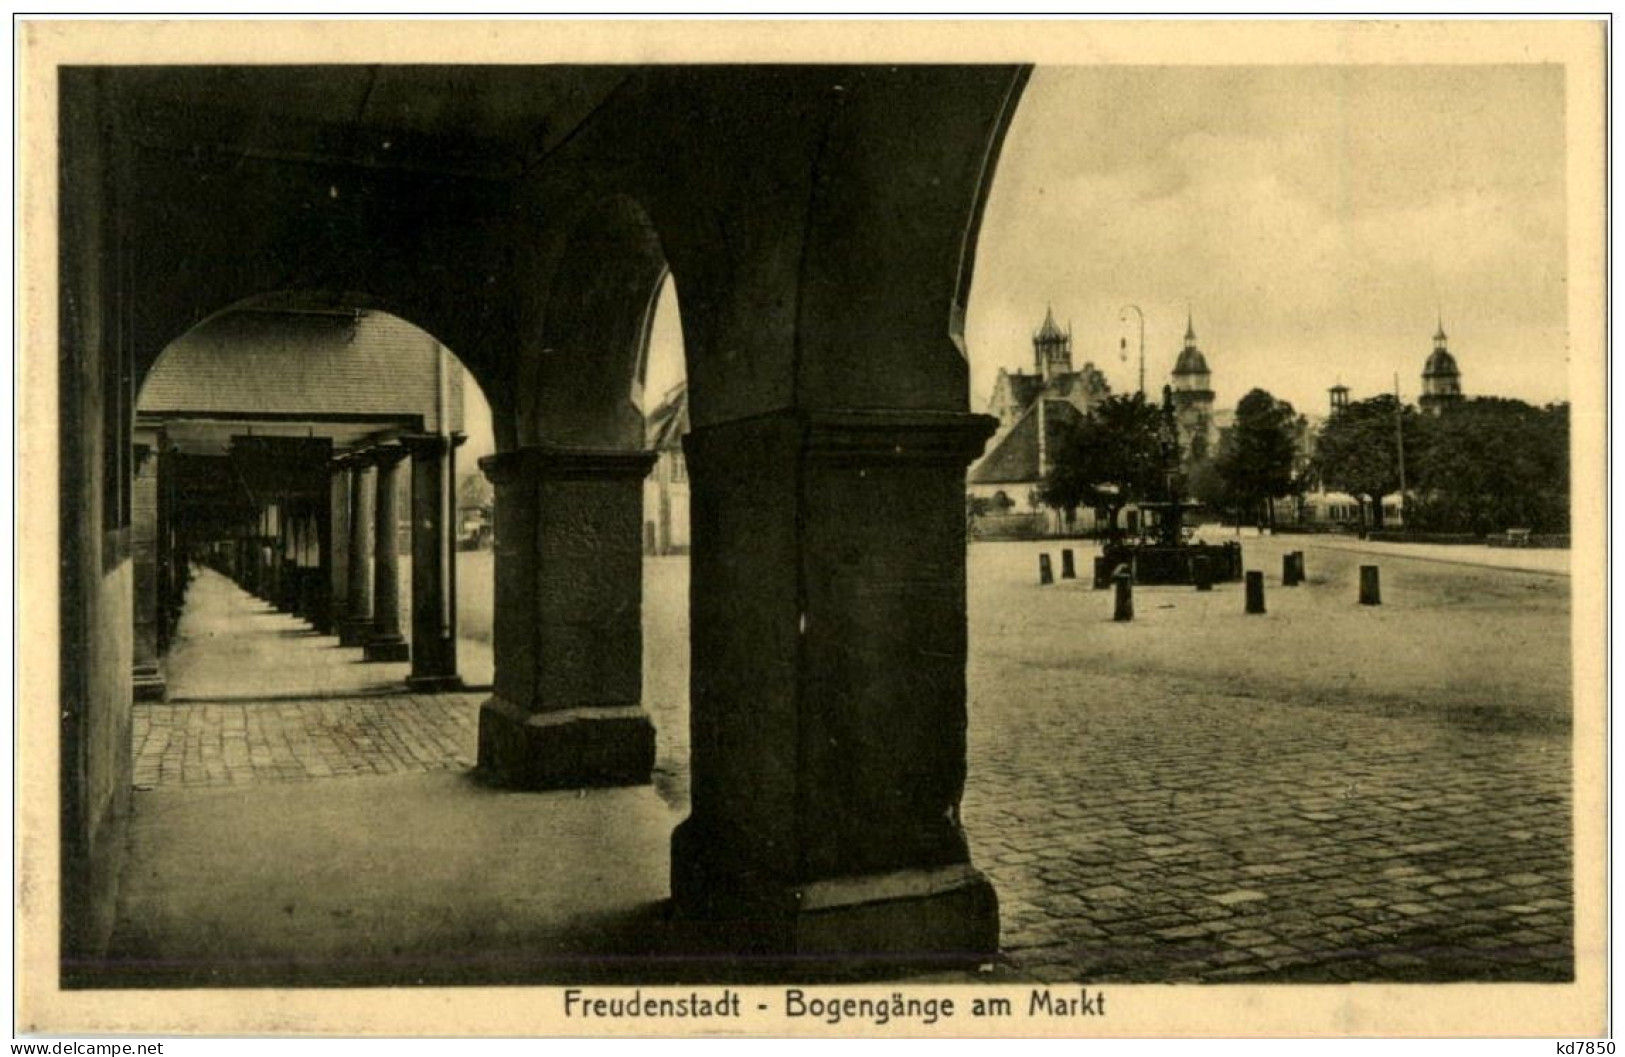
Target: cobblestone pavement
<point>1202,796</point>
<point>1146,817</point>
<point>225,743</point>
<point>1208,839</point>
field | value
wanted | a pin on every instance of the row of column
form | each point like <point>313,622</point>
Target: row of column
<point>364,576</point>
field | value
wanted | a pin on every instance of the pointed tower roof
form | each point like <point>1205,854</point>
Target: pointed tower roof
<point>1191,360</point>
<point>1049,331</point>
<point>1439,335</point>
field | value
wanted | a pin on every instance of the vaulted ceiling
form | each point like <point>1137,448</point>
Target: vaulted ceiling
<point>484,121</point>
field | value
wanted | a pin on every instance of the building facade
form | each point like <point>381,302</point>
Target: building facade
<point>1033,412</point>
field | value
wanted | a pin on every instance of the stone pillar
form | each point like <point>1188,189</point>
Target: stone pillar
<point>434,599</point>
<point>357,626</point>
<point>271,554</point>
<point>386,642</point>
<point>567,709</point>
<point>287,559</point>
<point>338,546</point>
<point>828,709</point>
<point>145,558</point>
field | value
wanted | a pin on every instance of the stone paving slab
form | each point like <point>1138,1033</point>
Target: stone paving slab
<point>230,645</point>
<point>231,742</point>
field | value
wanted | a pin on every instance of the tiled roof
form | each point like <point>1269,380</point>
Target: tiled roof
<point>665,425</point>
<point>1014,456</point>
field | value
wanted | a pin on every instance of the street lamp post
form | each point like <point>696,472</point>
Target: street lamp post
<point>1122,317</point>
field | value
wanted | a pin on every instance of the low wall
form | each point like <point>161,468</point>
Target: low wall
<point>1401,536</point>
<point>1008,527</point>
<point>1542,542</point>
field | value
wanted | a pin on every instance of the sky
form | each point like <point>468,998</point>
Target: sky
<point>1315,221</point>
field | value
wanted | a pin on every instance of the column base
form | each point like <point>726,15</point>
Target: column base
<point>435,684</point>
<point>387,648</point>
<point>943,917</point>
<point>566,749</point>
<point>355,632</point>
<point>148,684</point>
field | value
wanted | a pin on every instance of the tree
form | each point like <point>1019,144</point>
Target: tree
<point>1112,457</point>
<point>1256,455</point>
<point>1490,464</point>
<point>1358,449</point>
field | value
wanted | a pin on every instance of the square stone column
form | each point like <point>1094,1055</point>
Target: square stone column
<point>567,709</point>
<point>434,590</point>
<point>145,557</point>
<point>387,643</point>
<point>357,626</point>
<point>828,705</point>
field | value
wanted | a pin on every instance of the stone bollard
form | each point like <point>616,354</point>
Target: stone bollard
<point>1068,570</point>
<point>1202,572</point>
<point>1045,575</point>
<point>1297,560</point>
<point>1370,586</point>
<point>1124,581</point>
<point>1289,570</point>
<point>1103,574</point>
<point>1255,592</point>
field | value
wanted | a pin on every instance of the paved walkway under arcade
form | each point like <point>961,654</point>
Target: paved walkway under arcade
<point>1151,807</point>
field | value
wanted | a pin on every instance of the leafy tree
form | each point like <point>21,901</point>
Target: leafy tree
<point>1256,456</point>
<point>1114,456</point>
<point>1358,449</point>
<point>1490,464</point>
<point>1208,487</point>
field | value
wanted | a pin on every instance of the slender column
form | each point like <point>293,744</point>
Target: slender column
<point>357,626</point>
<point>287,563</point>
<point>271,549</point>
<point>434,603</point>
<point>337,545</point>
<point>387,643</point>
<point>567,709</point>
<point>145,559</point>
<point>828,710</point>
<point>322,574</point>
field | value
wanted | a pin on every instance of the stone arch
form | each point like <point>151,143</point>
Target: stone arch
<point>352,430</point>
<point>582,372</point>
<point>486,373</point>
<point>821,221</point>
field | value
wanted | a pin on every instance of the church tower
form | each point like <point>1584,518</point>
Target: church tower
<point>1052,349</point>
<point>1193,398</point>
<point>1441,378</point>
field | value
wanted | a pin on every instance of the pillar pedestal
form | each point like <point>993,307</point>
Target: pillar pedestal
<point>567,710</point>
<point>828,712</point>
<point>387,643</point>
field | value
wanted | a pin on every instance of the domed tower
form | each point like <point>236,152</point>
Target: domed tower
<point>1441,378</point>
<point>1052,349</point>
<point>1193,398</point>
